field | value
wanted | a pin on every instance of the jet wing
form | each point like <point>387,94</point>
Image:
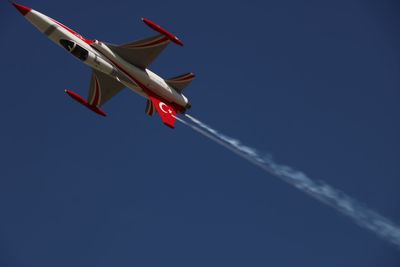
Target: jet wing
<point>102,88</point>
<point>167,113</point>
<point>143,52</point>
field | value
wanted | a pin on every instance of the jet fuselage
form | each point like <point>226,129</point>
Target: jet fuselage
<point>100,57</point>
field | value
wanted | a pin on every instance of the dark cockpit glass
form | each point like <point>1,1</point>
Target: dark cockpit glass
<point>75,49</point>
<point>80,53</point>
<point>67,44</point>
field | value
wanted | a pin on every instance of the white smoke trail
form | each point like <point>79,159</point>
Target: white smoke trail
<point>321,191</point>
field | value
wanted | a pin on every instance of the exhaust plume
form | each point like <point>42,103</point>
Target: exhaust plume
<point>360,214</point>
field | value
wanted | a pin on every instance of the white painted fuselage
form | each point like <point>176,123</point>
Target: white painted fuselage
<point>100,57</point>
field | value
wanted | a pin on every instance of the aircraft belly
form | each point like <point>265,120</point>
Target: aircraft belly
<point>161,92</point>
<point>139,80</point>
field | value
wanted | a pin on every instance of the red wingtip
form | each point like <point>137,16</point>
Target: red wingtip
<point>177,41</point>
<point>83,101</point>
<point>22,9</point>
<point>163,31</point>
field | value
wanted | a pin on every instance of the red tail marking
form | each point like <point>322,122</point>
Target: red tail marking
<point>167,113</point>
<point>88,41</point>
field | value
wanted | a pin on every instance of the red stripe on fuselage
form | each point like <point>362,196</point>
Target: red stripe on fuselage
<point>88,41</point>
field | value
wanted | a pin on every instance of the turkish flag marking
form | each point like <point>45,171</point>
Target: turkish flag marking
<point>167,113</point>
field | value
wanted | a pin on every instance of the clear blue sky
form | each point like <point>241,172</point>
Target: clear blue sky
<point>315,83</point>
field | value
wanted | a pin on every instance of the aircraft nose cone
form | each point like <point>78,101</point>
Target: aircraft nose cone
<point>22,9</point>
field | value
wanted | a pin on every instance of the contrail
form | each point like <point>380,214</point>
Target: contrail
<point>360,214</point>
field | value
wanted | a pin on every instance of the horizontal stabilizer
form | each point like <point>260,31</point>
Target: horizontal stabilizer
<point>180,82</point>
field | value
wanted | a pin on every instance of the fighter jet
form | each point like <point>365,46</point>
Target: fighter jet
<point>118,66</point>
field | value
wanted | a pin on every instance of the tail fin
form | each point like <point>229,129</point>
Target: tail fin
<point>180,82</point>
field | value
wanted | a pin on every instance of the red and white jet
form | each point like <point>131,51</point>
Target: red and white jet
<point>118,66</point>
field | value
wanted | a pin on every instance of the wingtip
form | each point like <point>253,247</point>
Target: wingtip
<point>178,41</point>
<point>163,31</point>
<point>84,102</point>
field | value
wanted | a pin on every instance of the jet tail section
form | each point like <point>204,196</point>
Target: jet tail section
<point>180,82</point>
<point>150,110</point>
<point>167,113</point>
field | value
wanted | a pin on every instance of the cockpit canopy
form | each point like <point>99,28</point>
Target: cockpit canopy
<point>75,49</point>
